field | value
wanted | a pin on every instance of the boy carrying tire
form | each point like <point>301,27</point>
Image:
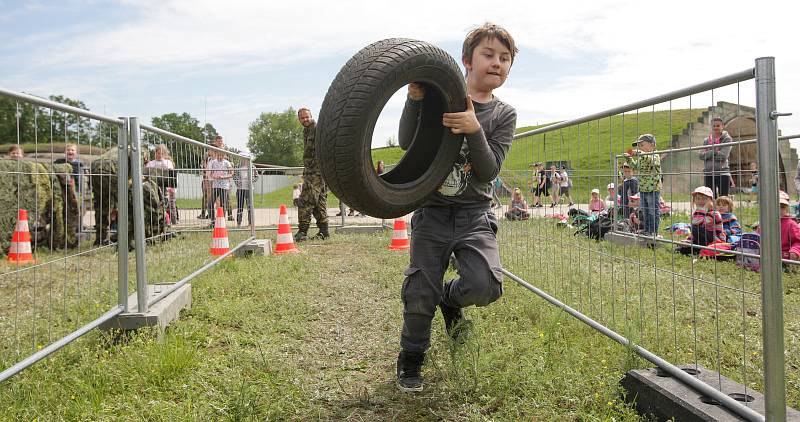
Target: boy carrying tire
<point>457,218</point>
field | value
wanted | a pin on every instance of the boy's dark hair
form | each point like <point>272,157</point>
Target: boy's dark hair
<point>488,30</point>
<point>717,119</point>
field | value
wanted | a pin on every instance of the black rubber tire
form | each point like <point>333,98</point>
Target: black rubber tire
<point>352,106</point>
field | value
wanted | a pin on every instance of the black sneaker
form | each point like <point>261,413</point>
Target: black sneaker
<point>321,236</point>
<point>300,236</point>
<point>409,368</point>
<point>453,318</point>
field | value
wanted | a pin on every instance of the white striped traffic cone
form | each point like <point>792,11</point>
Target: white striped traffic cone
<point>285,241</point>
<point>399,236</point>
<point>20,250</point>
<point>219,240</point>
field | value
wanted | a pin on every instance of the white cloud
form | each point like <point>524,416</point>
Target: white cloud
<point>646,48</point>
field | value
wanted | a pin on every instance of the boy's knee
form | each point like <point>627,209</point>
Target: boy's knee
<point>418,295</point>
<point>479,290</point>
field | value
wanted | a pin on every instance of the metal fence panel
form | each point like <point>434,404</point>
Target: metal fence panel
<point>672,309</point>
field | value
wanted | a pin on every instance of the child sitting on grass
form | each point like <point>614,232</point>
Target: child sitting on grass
<point>596,204</point>
<point>790,231</point>
<point>518,209</point>
<point>706,221</point>
<point>733,230</point>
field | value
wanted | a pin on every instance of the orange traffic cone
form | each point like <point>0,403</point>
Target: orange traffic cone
<point>20,250</point>
<point>400,236</point>
<point>285,242</point>
<point>219,240</point>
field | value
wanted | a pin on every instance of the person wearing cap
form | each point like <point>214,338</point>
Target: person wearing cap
<point>629,186</point>
<point>716,169</point>
<point>706,223</point>
<point>612,199</point>
<point>518,209</point>
<point>790,230</point>
<point>596,204</point>
<point>648,168</point>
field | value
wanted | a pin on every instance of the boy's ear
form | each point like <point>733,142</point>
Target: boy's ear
<point>467,62</point>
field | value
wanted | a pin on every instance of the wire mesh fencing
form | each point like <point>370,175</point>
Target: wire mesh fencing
<point>602,222</point>
<point>58,276</point>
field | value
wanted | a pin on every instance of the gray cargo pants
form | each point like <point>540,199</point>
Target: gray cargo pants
<point>436,233</point>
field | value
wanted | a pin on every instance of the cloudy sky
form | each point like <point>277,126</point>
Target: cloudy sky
<point>226,62</point>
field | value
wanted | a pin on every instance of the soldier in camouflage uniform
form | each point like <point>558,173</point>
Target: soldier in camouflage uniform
<point>105,198</point>
<point>104,193</point>
<point>314,196</point>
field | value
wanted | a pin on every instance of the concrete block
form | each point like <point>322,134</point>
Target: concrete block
<point>627,239</point>
<point>656,393</point>
<point>360,229</point>
<point>256,247</point>
<point>160,314</point>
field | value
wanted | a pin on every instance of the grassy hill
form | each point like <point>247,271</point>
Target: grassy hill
<point>589,148</point>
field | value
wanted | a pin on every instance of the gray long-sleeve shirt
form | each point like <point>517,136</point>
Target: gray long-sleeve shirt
<point>482,153</point>
<point>716,157</point>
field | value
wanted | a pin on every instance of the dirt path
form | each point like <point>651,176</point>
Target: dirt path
<point>353,340</point>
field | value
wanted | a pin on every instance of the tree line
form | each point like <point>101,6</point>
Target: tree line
<point>274,137</point>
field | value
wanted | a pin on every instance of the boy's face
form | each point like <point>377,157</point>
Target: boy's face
<point>71,152</point>
<point>15,154</point>
<point>489,65</point>
<point>722,207</point>
<point>646,146</point>
<point>627,172</point>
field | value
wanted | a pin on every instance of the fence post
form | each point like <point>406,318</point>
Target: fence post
<point>771,285</point>
<point>251,208</point>
<point>138,215</point>
<point>122,215</point>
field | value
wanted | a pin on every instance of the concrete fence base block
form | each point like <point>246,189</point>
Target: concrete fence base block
<point>656,393</point>
<point>256,247</point>
<point>161,314</point>
<point>360,229</point>
<point>626,239</point>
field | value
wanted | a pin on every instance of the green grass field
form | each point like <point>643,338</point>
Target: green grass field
<point>315,336</point>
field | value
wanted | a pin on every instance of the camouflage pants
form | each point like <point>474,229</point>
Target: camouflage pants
<point>104,187</point>
<point>313,201</point>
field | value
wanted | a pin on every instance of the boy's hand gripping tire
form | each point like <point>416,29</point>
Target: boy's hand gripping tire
<point>352,106</point>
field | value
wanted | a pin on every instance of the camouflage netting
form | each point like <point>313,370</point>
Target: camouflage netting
<point>104,186</point>
<point>43,191</point>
